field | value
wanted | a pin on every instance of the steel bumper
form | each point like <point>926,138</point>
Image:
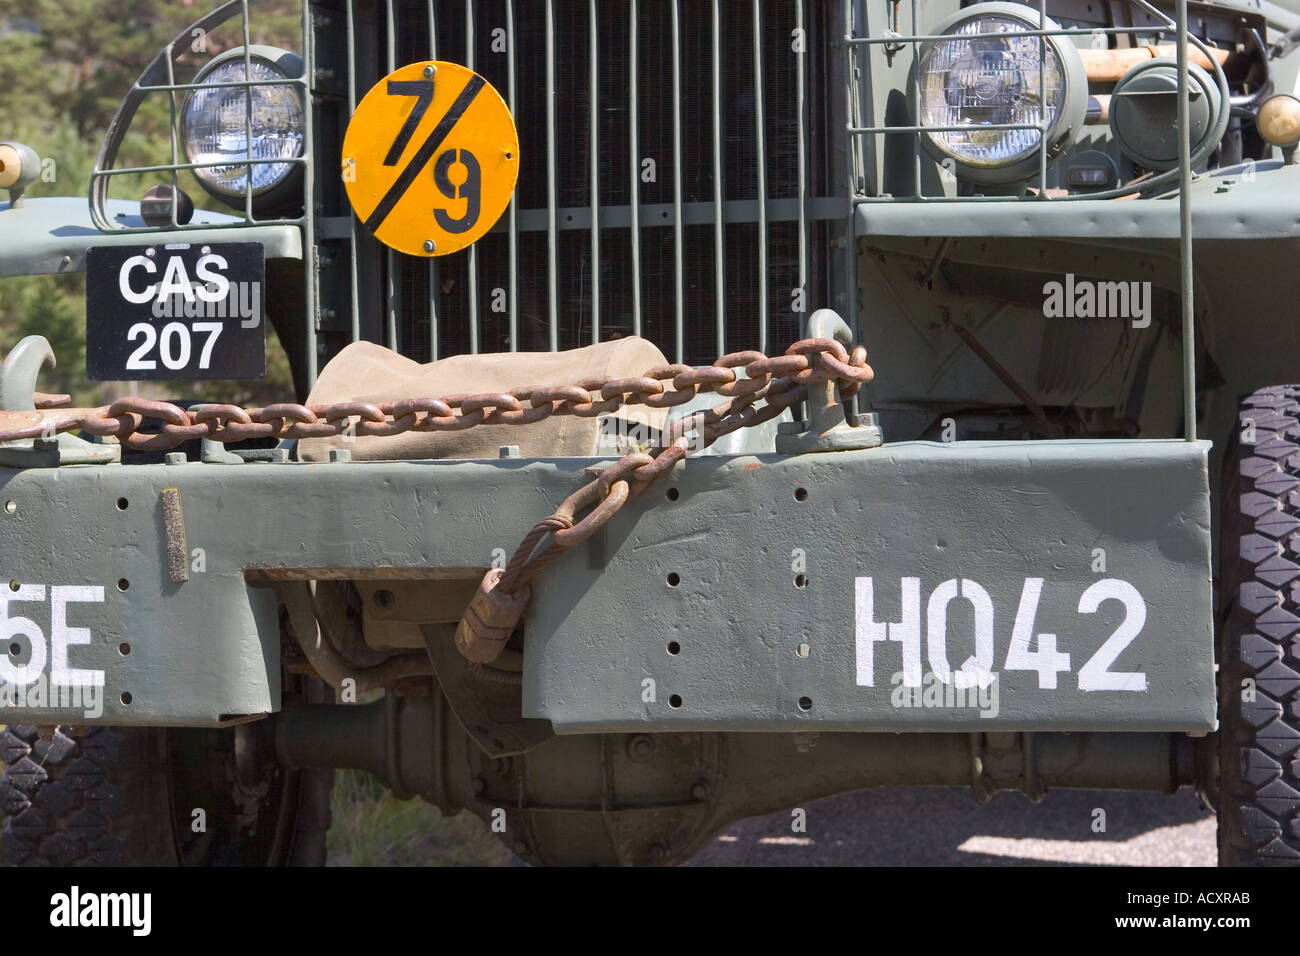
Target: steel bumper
<point>887,589</point>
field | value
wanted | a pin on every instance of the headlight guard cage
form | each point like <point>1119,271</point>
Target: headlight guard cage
<point>893,41</point>
<point>160,78</point>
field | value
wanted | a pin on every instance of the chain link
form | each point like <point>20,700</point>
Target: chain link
<point>778,382</point>
<point>807,361</point>
<point>497,607</point>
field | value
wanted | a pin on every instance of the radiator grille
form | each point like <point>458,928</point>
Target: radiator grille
<point>731,205</point>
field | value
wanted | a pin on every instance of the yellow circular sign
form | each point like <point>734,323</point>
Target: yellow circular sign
<point>430,158</point>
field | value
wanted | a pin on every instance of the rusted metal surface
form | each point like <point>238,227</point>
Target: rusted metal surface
<point>259,575</point>
<point>490,619</point>
<point>314,635</point>
<point>178,555</point>
<point>1107,66</point>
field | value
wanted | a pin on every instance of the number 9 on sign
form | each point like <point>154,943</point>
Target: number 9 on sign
<point>430,158</point>
<point>464,186</point>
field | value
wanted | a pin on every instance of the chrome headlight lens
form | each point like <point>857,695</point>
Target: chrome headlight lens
<point>216,123</point>
<point>975,82</point>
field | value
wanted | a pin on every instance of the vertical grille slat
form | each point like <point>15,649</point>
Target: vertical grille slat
<point>593,151</point>
<point>354,284</point>
<point>801,178</point>
<point>471,265</point>
<point>760,165</point>
<point>513,212</point>
<point>395,269</point>
<point>719,186</point>
<point>432,293</point>
<point>552,212</point>
<point>634,156</point>
<point>668,187</point>
<point>679,233</point>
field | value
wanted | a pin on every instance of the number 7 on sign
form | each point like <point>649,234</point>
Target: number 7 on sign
<point>430,158</point>
<point>423,91</point>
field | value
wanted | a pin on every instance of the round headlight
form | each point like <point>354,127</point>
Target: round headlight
<point>216,123</point>
<point>977,82</point>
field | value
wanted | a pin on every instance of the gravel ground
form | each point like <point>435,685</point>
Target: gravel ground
<point>916,826</point>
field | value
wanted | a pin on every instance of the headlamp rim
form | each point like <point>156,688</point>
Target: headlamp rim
<point>1197,79</point>
<point>290,66</point>
<point>1069,119</point>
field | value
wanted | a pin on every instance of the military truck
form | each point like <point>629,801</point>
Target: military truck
<point>588,515</point>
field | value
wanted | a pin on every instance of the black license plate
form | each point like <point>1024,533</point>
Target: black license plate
<point>176,311</point>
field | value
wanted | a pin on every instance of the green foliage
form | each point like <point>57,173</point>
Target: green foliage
<point>50,306</point>
<point>371,827</point>
<point>65,66</point>
<point>67,63</point>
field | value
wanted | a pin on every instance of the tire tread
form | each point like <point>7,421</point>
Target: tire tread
<point>1259,739</point>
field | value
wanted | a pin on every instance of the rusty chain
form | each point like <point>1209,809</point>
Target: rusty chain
<point>496,608</point>
<point>780,380</point>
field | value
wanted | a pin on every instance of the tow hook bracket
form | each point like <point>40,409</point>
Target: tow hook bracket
<point>18,396</point>
<point>828,427</point>
<point>800,437</point>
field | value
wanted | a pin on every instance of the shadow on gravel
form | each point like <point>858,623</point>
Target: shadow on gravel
<point>917,826</point>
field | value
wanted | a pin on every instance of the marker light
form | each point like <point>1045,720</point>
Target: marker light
<point>1279,120</point>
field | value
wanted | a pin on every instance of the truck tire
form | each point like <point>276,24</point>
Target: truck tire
<point>1259,636</point>
<point>112,796</point>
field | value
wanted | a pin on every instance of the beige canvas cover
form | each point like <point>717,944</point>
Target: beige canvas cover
<point>368,372</point>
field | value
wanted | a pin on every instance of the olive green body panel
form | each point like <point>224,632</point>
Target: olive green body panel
<point>737,600</point>
<point>207,648</point>
<point>1259,201</point>
<point>52,235</point>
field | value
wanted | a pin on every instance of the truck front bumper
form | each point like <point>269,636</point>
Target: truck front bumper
<point>917,586</point>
